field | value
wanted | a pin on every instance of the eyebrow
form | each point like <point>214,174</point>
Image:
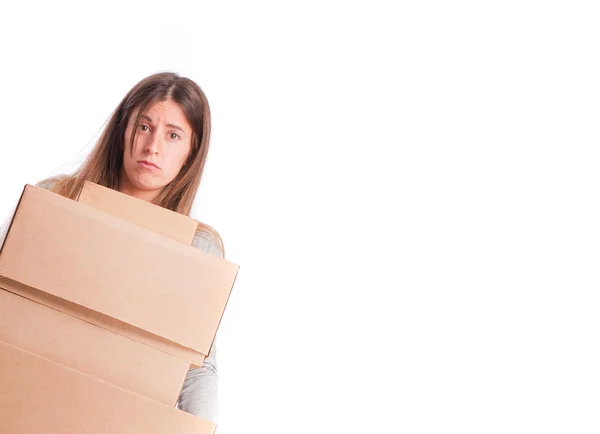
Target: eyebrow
<point>149,119</point>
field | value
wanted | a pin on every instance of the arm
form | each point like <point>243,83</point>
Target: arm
<point>199,395</point>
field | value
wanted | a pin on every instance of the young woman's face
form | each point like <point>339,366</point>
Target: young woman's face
<point>162,145</point>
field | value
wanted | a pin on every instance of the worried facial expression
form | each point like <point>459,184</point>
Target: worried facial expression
<point>162,145</point>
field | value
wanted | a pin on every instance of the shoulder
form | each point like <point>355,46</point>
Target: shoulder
<point>207,242</point>
<point>50,183</point>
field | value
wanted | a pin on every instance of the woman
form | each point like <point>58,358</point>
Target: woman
<point>154,148</point>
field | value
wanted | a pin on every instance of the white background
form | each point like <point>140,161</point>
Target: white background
<point>411,190</point>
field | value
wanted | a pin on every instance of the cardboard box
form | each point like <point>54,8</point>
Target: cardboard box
<point>104,354</point>
<point>166,222</point>
<point>102,321</point>
<point>132,275</point>
<point>42,396</point>
<point>160,220</point>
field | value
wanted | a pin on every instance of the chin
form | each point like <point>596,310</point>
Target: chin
<point>148,186</point>
<point>146,183</point>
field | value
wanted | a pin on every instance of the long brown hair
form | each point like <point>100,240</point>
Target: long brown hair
<point>103,165</point>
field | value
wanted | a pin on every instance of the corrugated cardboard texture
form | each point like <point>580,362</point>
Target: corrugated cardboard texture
<point>40,396</point>
<point>117,268</point>
<point>161,220</point>
<point>90,349</point>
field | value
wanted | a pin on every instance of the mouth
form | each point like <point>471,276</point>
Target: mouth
<point>148,164</point>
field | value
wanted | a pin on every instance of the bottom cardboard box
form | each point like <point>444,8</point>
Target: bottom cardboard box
<point>41,396</point>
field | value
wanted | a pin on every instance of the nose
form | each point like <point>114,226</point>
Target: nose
<point>152,144</point>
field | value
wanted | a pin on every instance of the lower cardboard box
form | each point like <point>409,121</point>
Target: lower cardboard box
<point>38,395</point>
<point>90,349</point>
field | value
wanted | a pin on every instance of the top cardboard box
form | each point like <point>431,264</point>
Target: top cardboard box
<point>160,220</point>
<point>119,269</point>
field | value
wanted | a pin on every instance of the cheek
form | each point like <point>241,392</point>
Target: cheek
<point>177,161</point>
<point>182,156</point>
<point>129,150</point>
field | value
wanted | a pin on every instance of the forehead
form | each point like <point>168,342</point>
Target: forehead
<point>164,112</point>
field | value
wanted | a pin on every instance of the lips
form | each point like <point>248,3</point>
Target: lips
<point>148,164</point>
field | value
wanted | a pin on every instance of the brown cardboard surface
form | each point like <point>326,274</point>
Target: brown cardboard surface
<point>42,396</point>
<point>90,349</point>
<point>131,274</point>
<point>161,220</point>
<point>103,321</point>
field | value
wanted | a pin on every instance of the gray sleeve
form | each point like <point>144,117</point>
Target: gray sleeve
<point>199,395</point>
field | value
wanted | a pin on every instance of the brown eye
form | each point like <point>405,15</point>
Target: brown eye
<point>144,126</point>
<point>174,136</point>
